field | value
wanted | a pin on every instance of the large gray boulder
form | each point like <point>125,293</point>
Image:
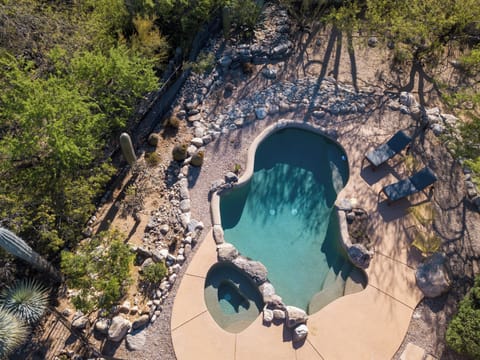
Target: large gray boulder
<point>80,323</point>
<point>295,316</point>
<point>359,255</point>
<point>118,329</point>
<point>135,341</point>
<point>267,290</point>
<point>140,322</point>
<point>101,326</point>
<point>255,269</point>
<point>433,277</point>
<point>226,252</point>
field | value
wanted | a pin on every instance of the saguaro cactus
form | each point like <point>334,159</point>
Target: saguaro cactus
<point>19,248</point>
<point>127,149</point>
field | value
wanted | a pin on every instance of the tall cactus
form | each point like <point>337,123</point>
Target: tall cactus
<point>19,248</point>
<point>127,148</point>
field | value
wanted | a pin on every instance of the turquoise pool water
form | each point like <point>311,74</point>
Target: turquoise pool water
<point>231,297</point>
<point>283,216</point>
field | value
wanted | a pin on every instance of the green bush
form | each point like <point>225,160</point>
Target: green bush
<point>152,158</point>
<point>463,332</point>
<point>99,270</point>
<point>154,273</point>
<point>204,64</point>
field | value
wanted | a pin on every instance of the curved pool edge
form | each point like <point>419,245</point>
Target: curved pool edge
<point>250,164</point>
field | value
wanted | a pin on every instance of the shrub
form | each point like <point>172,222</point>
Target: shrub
<point>463,331</point>
<point>153,139</point>
<point>197,158</point>
<point>26,299</point>
<point>13,333</point>
<point>154,273</point>
<point>152,158</point>
<point>99,269</point>
<point>237,168</point>
<point>179,152</point>
<point>204,64</point>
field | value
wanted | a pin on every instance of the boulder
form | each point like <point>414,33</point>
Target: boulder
<point>267,316</point>
<point>359,255</point>
<point>372,41</point>
<point>185,205</point>
<point>433,277</point>
<point>255,269</point>
<point>300,333</point>
<point>140,322</point>
<point>218,234</point>
<point>226,252</point>
<point>295,316</point>
<point>118,329</point>
<point>231,177</point>
<point>279,314</point>
<point>135,341</point>
<point>267,290</point>
<point>197,142</point>
<point>80,323</point>
<point>101,326</point>
<point>269,73</point>
<point>261,113</point>
<point>407,99</point>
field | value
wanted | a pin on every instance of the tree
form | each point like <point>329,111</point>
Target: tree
<point>463,331</point>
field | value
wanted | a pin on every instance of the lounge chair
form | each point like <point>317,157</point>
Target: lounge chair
<point>415,183</point>
<point>395,145</point>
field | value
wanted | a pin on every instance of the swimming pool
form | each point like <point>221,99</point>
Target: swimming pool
<point>231,297</point>
<point>282,216</point>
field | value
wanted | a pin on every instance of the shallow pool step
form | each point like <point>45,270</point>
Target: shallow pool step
<point>333,288</point>
<point>356,281</point>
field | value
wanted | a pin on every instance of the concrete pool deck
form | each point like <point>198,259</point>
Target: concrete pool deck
<point>367,325</point>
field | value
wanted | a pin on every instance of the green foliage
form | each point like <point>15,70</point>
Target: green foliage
<point>152,158</point>
<point>423,24</point>
<point>463,331</point>
<point>154,273</point>
<point>148,40</point>
<point>13,333</point>
<point>240,15</point>
<point>204,64</point>
<point>26,299</point>
<point>99,270</point>
<point>471,61</point>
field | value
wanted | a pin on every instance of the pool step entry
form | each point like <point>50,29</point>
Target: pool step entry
<point>337,285</point>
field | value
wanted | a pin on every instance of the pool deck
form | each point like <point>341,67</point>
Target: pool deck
<point>367,325</point>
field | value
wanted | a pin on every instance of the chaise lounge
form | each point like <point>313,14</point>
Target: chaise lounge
<point>384,152</point>
<point>415,183</point>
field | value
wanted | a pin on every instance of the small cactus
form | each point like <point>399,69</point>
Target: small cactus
<point>197,158</point>
<point>26,299</point>
<point>127,149</point>
<point>153,139</point>
<point>179,152</point>
<point>173,122</point>
<point>13,333</point>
